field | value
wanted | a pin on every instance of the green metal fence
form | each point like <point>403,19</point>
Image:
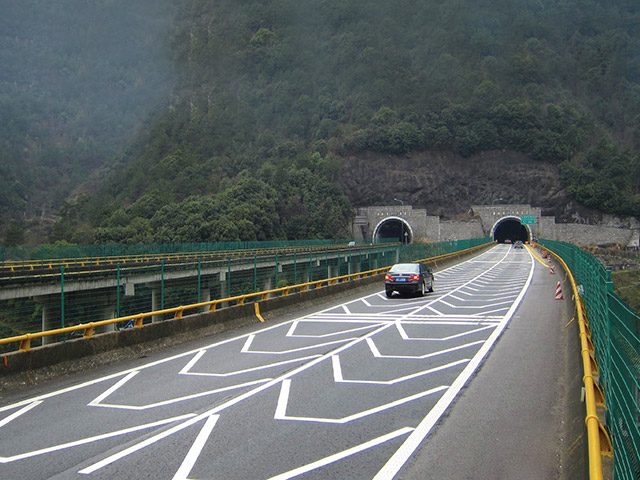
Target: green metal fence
<point>615,333</point>
<point>50,252</point>
<point>168,285</point>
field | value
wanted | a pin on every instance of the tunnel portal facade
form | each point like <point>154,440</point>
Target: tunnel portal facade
<point>405,224</point>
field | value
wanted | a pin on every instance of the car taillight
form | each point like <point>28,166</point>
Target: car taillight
<point>414,277</point>
<point>388,277</point>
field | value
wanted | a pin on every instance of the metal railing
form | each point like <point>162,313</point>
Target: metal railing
<point>432,253</point>
<point>611,333</point>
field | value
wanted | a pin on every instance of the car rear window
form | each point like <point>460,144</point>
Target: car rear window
<point>405,268</point>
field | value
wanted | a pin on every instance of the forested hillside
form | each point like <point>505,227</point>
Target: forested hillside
<point>271,95</point>
<point>77,78</point>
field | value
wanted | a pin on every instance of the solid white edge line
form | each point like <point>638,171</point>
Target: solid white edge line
<point>400,457</point>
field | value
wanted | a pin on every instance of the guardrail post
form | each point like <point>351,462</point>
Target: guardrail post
<point>64,336</point>
<point>118,293</point>
<point>255,273</point>
<point>295,268</point>
<point>162,285</point>
<point>48,317</point>
<point>199,279</point>
<point>156,298</point>
<point>607,317</point>
<point>228,277</point>
<point>328,267</point>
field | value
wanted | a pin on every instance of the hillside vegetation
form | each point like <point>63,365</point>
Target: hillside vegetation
<point>271,95</point>
<point>77,78</point>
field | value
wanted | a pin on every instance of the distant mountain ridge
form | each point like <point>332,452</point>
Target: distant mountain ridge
<point>276,100</point>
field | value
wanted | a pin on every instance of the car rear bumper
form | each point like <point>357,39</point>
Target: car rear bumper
<point>403,287</point>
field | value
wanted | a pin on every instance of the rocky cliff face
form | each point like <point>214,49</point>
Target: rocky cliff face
<point>447,184</point>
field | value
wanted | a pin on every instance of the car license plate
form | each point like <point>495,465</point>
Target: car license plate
<point>402,279</point>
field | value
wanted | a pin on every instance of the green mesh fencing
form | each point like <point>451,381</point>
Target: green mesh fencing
<point>89,293</point>
<point>120,250</point>
<point>615,333</point>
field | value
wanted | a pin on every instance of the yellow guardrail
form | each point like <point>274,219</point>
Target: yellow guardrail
<point>178,312</point>
<point>599,443</point>
<point>30,265</point>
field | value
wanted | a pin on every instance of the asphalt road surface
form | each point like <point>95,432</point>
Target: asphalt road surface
<point>360,390</point>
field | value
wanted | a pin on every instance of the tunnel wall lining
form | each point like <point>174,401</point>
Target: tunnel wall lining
<point>392,218</point>
<point>510,217</point>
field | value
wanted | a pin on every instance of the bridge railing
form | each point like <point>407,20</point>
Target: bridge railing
<point>69,252</point>
<point>78,313</point>
<point>613,347</point>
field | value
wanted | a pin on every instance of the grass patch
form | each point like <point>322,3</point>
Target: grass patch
<point>626,284</point>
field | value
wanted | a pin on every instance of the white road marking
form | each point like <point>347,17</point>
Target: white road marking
<point>342,455</point>
<point>413,313</point>
<point>405,336</point>
<point>339,378</point>
<point>19,413</point>
<point>172,401</point>
<point>139,446</point>
<point>93,439</point>
<point>283,400</point>
<point>291,333</point>
<point>377,354</point>
<point>400,457</point>
<point>249,370</point>
<point>195,450</point>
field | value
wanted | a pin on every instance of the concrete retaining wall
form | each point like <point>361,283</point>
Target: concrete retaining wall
<point>460,230</point>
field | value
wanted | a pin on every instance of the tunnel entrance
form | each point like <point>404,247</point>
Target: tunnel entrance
<point>393,229</point>
<point>510,228</point>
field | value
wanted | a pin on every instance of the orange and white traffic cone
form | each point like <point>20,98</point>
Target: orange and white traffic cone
<point>559,295</point>
<point>551,270</point>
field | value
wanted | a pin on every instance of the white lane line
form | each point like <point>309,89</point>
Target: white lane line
<point>229,403</point>
<point>96,401</point>
<point>139,446</point>
<point>300,349</point>
<point>179,399</point>
<point>192,362</point>
<point>291,333</point>
<point>342,455</point>
<point>283,400</point>
<point>339,378</point>
<point>20,412</point>
<point>377,354</point>
<point>195,450</point>
<point>477,307</point>
<point>400,457</point>
<point>249,370</point>
<point>85,441</point>
<point>405,336</point>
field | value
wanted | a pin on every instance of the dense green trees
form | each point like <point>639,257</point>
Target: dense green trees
<point>270,93</point>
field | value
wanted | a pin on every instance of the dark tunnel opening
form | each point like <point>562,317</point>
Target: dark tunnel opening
<point>394,230</point>
<point>510,229</point>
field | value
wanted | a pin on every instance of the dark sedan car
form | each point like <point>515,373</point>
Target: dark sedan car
<point>408,278</point>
